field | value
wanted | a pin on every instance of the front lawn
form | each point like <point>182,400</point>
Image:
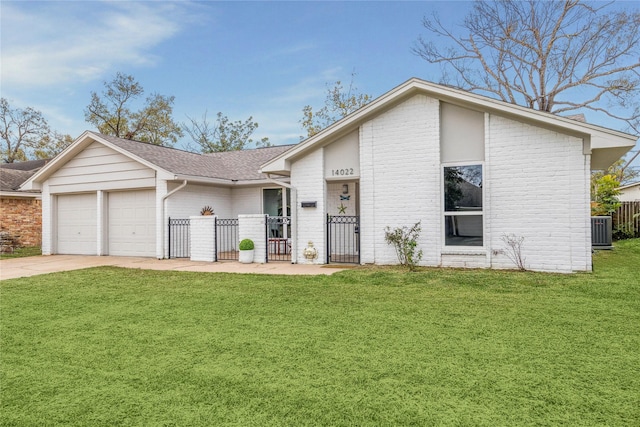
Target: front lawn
<point>378,347</point>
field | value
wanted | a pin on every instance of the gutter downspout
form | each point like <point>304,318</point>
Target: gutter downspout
<point>164,208</point>
<point>294,216</point>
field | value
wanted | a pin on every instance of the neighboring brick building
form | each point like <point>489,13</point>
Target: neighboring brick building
<point>20,211</point>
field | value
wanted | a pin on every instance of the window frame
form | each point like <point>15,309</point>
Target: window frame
<point>445,213</point>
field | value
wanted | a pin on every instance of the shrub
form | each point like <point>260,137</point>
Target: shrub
<point>404,240</point>
<point>513,251</point>
<point>246,245</point>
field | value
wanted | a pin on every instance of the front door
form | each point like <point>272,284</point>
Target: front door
<point>343,222</point>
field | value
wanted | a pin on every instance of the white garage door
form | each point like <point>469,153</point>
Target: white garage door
<point>76,219</point>
<point>132,223</point>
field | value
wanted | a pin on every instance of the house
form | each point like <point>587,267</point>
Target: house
<point>469,168</point>
<point>403,158</point>
<point>20,211</point>
<point>109,196</point>
<point>630,192</point>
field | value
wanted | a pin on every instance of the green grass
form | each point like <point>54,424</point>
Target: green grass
<point>379,347</point>
<point>22,252</point>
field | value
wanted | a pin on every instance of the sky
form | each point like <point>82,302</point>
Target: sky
<point>261,59</point>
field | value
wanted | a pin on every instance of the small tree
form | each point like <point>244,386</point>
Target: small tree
<point>604,192</point>
<point>223,135</point>
<point>338,104</point>
<point>405,242</point>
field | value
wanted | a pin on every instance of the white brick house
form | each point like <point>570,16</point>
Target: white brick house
<point>419,151</point>
<point>469,168</point>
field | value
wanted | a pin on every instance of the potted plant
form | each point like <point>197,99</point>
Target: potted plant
<point>246,251</point>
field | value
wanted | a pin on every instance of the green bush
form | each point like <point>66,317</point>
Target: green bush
<point>405,242</point>
<point>246,245</point>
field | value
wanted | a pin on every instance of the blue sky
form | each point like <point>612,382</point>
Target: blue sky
<point>262,59</point>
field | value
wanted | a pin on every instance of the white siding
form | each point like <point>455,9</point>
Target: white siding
<point>537,187</point>
<point>400,178</point>
<point>245,201</point>
<point>48,223</point>
<point>307,176</point>
<point>190,200</point>
<point>253,227</point>
<point>630,194</point>
<point>100,168</point>
<point>202,238</point>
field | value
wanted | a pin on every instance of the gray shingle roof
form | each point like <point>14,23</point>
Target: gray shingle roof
<point>12,179</point>
<point>13,175</point>
<point>232,165</point>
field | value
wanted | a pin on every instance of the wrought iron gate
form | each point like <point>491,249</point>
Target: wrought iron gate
<point>179,238</point>
<point>226,239</point>
<point>278,232</point>
<point>343,239</point>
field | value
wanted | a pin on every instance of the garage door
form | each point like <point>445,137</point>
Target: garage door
<point>76,224</point>
<point>132,223</point>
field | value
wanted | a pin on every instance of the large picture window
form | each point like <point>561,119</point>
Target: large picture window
<point>463,205</point>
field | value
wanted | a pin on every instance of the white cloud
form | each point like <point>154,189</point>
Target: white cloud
<point>46,44</point>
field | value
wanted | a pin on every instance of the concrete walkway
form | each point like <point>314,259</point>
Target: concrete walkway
<point>32,266</point>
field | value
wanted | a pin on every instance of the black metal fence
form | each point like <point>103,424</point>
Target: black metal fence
<point>278,232</point>
<point>179,238</point>
<point>343,239</point>
<point>226,239</point>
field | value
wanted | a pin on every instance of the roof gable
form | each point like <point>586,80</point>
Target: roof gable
<point>169,163</point>
<point>605,145</point>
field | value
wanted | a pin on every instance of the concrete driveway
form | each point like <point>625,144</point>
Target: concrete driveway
<point>32,266</point>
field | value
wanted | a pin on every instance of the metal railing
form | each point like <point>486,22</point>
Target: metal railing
<point>343,239</point>
<point>278,232</point>
<point>226,239</point>
<point>179,238</point>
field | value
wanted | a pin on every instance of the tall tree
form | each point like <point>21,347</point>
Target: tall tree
<point>223,135</point>
<point>112,114</point>
<point>338,104</point>
<point>25,135</point>
<point>555,56</point>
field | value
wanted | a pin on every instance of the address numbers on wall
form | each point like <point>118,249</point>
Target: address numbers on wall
<point>342,172</point>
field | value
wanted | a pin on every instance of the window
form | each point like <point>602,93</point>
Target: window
<point>463,205</point>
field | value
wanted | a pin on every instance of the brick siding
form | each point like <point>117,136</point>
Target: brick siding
<point>23,219</point>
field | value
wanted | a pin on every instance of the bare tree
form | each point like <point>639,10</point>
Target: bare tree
<point>223,135</point>
<point>21,130</point>
<point>112,115</point>
<point>555,56</point>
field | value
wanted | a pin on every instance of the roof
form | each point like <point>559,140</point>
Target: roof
<point>604,145</point>
<point>633,184</point>
<point>240,165</point>
<point>172,164</point>
<point>13,175</point>
<point>30,165</point>
<point>12,179</point>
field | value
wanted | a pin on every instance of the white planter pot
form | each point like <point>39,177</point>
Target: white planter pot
<point>246,257</point>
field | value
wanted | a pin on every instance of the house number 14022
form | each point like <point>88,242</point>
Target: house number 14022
<point>342,172</point>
